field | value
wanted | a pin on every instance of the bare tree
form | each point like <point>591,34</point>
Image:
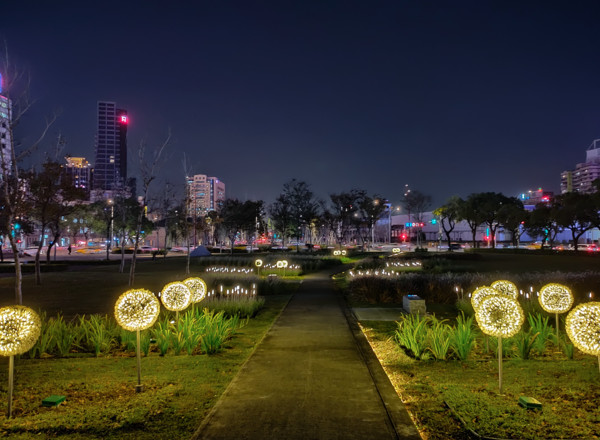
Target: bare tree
<point>416,203</point>
<point>15,103</point>
<point>148,170</point>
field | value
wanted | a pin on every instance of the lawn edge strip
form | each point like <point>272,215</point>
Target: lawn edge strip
<point>398,416</point>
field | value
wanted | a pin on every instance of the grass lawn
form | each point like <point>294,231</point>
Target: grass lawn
<point>100,392</point>
<point>568,389</point>
<point>101,399</point>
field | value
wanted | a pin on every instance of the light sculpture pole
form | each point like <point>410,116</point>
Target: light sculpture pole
<point>258,263</point>
<point>136,310</point>
<point>19,330</point>
<point>501,316</point>
<point>583,328</point>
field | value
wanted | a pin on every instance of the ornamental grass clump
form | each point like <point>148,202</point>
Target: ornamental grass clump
<point>411,335</point>
<point>44,342</point>
<point>162,334</point>
<point>439,338</point>
<point>243,307</point>
<point>64,335</point>
<point>524,342</point>
<point>98,333</point>
<point>462,337</point>
<point>216,330</point>
<point>540,324</point>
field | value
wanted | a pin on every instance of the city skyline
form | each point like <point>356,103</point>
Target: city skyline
<point>448,99</point>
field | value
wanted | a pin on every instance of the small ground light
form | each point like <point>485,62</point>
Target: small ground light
<point>529,402</point>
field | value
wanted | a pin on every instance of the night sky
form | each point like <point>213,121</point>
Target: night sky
<point>450,97</point>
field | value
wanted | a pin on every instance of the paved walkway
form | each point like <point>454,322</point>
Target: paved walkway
<point>308,379</point>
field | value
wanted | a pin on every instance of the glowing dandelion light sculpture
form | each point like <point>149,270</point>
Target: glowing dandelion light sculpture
<point>556,298</point>
<point>501,316</point>
<point>176,296</point>
<point>258,263</point>
<point>480,293</point>
<point>583,328</point>
<point>19,330</point>
<point>135,310</point>
<point>505,287</point>
<point>198,288</point>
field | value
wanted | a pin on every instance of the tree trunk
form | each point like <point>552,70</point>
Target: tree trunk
<point>18,273</point>
<point>136,245</point>
<point>122,242</point>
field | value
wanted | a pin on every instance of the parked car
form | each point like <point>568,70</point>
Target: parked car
<point>148,249</point>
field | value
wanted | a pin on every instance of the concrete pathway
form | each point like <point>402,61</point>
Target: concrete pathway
<point>309,379</point>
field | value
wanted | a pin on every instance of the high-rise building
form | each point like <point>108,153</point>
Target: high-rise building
<point>5,133</point>
<point>204,194</point>
<point>110,167</point>
<point>80,171</point>
<point>580,179</point>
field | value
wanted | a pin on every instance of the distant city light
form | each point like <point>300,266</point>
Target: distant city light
<point>124,119</point>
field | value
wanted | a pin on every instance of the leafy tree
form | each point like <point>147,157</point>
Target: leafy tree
<point>542,223</point>
<point>240,217</point>
<point>512,216</point>
<point>339,215</point>
<point>577,212</point>
<point>293,210</point>
<point>469,212</point>
<point>52,197</point>
<point>448,215</point>
<point>282,217</point>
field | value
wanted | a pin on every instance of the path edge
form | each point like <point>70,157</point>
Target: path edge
<point>396,411</point>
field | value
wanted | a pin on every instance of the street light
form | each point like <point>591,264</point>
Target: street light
<point>110,228</point>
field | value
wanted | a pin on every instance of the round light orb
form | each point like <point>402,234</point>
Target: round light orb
<point>343,252</point>
<point>19,330</point>
<point>336,253</point>
<point>284,264</point>
<point>506,287</point>
<point>198,288</point>
<point>137,309</point>
<point>396,250</point>
<point>583,327</point>
<point>176,296</point>
<point>258,263</point>
<point>556,298</point>
<point>499,315</point>
<point>480,293</point>
<point>279,264</point>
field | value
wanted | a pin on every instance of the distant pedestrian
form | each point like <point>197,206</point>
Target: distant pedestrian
<point>69,249</point>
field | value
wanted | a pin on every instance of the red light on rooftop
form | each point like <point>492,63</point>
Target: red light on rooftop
<point>124,119</point>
